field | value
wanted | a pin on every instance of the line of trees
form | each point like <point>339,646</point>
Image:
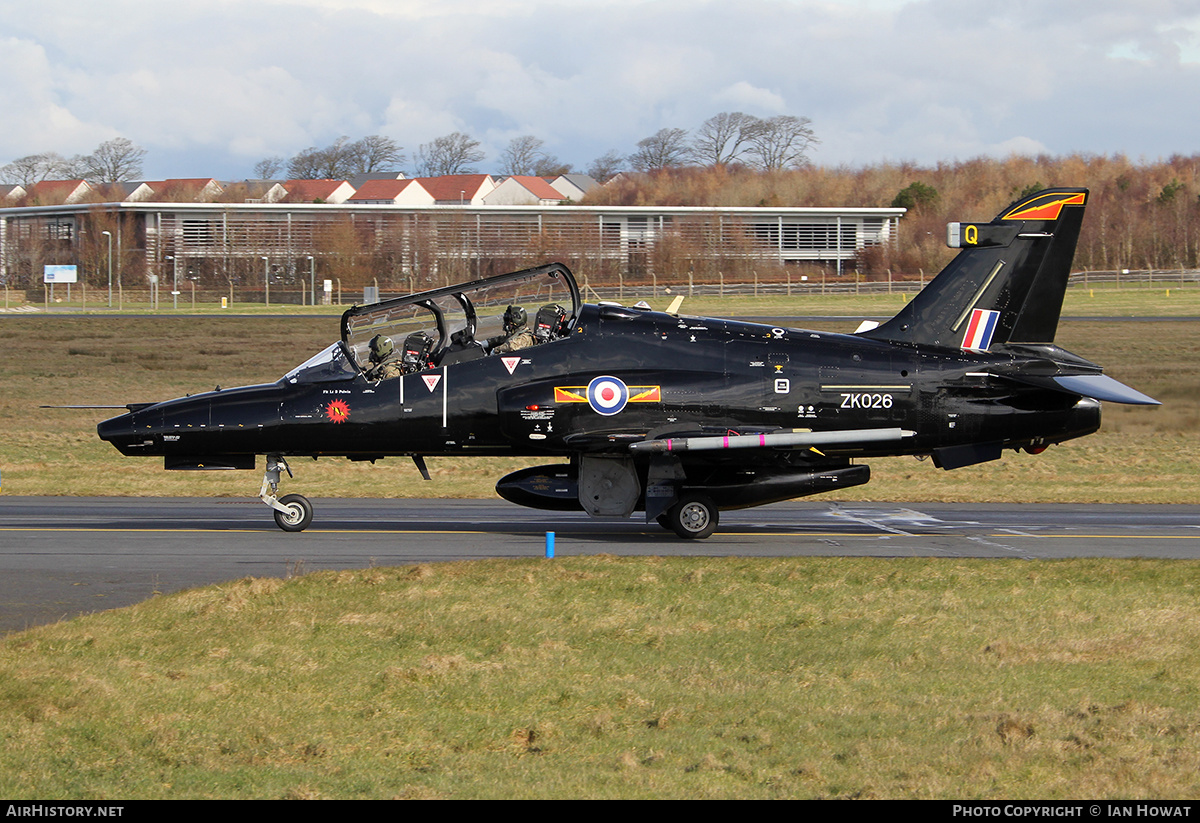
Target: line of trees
<point>339,160</point>
<point>725,139</point>
<point>728,138</point>
<point>769,144</point>
<point>1140,215</point>
<point>114,161</point>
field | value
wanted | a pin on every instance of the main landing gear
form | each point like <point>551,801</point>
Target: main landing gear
<point>693,517</point>
<point>293,512</point>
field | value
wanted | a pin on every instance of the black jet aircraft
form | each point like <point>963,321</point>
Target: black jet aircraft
<point>675,416</point>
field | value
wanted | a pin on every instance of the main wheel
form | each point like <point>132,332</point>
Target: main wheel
<point>694,517</point>
<point>299,513</point>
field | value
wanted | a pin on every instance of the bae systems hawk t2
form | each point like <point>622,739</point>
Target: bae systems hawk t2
<point>675,416</point>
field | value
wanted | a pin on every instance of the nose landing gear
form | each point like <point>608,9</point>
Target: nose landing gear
<point>292,512</point>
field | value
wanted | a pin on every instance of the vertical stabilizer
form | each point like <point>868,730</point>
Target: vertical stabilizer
<point>1007,283</point>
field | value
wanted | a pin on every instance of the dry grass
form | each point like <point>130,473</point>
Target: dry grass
<point>611,677</point>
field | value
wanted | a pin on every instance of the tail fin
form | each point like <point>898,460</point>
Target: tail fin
<point>1007,283</point>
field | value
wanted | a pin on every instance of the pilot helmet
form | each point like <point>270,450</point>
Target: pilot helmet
<point>381,346</point>
<point>514,318</point>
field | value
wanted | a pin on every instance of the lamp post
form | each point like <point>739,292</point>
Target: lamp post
<point>174,281</point>
<point>108,234</point>
<point>170,257</point>
<point>267,280</point>
<point>312,278</point>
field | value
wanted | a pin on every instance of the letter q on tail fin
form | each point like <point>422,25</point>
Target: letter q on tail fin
<point>1007,283</point>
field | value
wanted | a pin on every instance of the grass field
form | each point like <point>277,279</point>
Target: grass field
<point>605,677</point>
<point>1144,299</point>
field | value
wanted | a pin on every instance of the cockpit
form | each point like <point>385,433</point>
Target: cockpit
<point>455,324</point>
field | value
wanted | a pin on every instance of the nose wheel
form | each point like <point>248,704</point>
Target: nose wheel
<point>292,512</point>
<point>296,513</point>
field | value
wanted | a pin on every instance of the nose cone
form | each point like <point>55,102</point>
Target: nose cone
<point>133,433</point>
<point>231,421</point>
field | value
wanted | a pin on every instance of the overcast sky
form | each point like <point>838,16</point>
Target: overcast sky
<point>209,88</point>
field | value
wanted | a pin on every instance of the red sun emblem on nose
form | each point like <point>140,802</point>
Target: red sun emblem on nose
<point>337,411</point>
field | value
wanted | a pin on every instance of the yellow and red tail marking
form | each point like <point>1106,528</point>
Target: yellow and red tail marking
<point>1046,207</point>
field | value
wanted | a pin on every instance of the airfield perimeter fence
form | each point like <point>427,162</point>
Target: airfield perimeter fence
<point>191,295</point>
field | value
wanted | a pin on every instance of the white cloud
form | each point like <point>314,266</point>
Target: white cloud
<point>926,80</point>
<point>743,95</point>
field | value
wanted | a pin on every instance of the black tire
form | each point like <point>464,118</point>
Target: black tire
<point>299,515</point>
<point>694,517</point>
<point>664,520</point>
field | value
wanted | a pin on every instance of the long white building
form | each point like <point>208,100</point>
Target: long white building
<point>426,244</point>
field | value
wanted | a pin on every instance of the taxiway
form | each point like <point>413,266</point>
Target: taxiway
<point>64,556</point>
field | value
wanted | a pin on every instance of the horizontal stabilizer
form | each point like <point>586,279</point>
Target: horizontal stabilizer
<point>1095,385</point>
<point>1104,388</point>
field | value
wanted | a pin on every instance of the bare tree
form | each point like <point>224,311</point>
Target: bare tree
<point>33,168</point>
<point>522,155</point>
<point>725,137</point>
<point>76,167</point>
<point>782,142</point>
<point>605,166</point>
<point>664,149</point>
<point>550,166</point>
<point>375,153</point>
<point>306,165</point>
<point>334,162</point>
<point>115,161</point>
<point>450,154</point>
<point>268,168</point>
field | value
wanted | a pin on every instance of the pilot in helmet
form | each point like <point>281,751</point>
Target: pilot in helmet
<point>384,361</point>
<point>516,332</point>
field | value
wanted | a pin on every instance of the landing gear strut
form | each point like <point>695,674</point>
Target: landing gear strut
<point>293,512</point>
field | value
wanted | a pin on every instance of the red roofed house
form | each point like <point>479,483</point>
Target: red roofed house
<point>184,190</point>
<point>392,193</point>
<point>318,191</point>
<point>458,189</point>
<point>126,192</point>
<point>58,192</point>
<point>12,192</point>
<point>520,190</point>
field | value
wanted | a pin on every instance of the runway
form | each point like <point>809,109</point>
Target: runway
<point>64,556</point>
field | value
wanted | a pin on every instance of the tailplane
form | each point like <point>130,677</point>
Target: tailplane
<point>1007,283</point>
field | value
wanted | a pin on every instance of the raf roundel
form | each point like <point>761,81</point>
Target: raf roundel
<point>607,395</point>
